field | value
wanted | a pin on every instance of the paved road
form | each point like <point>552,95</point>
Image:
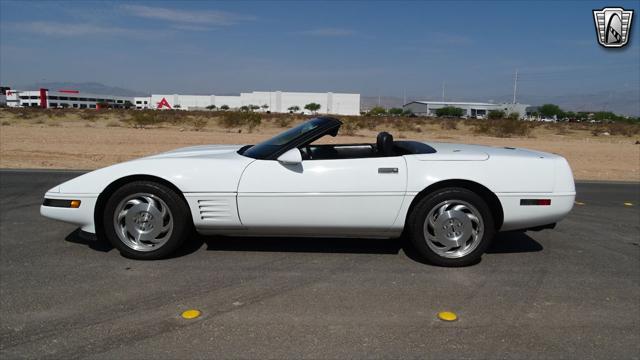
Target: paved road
<point>572,292</point>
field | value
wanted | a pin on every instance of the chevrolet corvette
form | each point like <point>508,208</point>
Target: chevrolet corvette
<point>449,200</point>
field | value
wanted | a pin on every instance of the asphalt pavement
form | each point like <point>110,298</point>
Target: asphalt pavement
<point>571,292</point>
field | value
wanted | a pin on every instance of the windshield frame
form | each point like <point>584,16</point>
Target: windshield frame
<point>265,151</point>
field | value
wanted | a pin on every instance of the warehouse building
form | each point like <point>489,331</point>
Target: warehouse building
<point>274,101</point>
<point>476,110</point>
<point>47,99</point>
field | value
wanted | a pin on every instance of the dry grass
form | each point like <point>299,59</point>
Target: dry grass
<point>71,140</point>
<point>502,128</point>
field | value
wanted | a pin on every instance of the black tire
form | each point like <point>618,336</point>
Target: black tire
<point>181,228</point>
<point>418,217</point>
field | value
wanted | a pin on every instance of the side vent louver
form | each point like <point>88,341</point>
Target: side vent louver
<point>214,210</point>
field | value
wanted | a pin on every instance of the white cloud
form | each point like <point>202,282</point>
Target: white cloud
<point>329,32</point>
<point>211,17</point>
<point>63,29</point>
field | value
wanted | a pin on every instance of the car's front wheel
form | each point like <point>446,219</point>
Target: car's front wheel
<point>146,220</point>
<point>451,227</point>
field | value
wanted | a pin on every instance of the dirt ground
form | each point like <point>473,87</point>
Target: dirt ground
<point>60,144</point>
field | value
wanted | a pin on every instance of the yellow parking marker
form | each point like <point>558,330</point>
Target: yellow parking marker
<point>628,204</point>
<point>447,316</point>
<point>579,203</point>
<point>191,314</point>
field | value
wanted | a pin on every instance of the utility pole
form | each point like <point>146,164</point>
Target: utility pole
<point>443,91</point>
<point>404,96</point>
<point>515,86</point>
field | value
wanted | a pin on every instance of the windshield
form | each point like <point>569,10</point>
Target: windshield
<point>264,149</point>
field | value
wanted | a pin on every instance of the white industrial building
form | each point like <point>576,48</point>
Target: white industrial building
<point>471,109</point>
<point>47,99</point>
<point>267,101</point>
<point>273,101</point>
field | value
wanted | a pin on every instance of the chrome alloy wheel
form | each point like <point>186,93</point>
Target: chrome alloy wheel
<point>143,222</point>
<point>453,228</point>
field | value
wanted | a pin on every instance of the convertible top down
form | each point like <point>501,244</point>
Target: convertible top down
<point>449,199</point>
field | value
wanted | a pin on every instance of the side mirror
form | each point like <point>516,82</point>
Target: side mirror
<point>291,157</point>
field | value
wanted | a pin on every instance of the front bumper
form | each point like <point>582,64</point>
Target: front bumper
<point>82,216</point>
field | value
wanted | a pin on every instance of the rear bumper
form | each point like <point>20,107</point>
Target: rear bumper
<point>81,216</point>
<point>519,217</point>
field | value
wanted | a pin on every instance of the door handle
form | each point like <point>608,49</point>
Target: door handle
<point>387,170</point>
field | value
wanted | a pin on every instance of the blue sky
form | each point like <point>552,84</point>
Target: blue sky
<point>385,48</point>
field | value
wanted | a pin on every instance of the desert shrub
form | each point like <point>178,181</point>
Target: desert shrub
<point>514,116</point>
<point>199,123</point>
<point>23,113</point>
<point>349,128</point>
<point>482,127</point>
<point>625,129</point>
<point>562,130</point>
<point>284,121</point>
<point>396,111</point>
<point>449,111</point>
<point>502,128</point>
<point>145,118</point>
<point>377,111</point>
<point>407,124</point>
<point>364,122</point>
<point>113,123</point>
<point>495,114</point>
<point>449,125</point>
<point>39,121</point>
<point>6,123</point>
<point>90,115</point>
<point>173,117</point>
<point>239,119</point>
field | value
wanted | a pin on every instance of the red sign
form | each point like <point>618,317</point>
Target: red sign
<point>43,98</point>
<point>163,103</point>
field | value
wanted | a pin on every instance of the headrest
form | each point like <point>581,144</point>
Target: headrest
<point>384,144</point>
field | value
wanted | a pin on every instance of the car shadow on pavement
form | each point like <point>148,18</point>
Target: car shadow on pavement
<point>513,242</point>
<point>503,243</point>
<point>80,237</point>
<point>306,245</point>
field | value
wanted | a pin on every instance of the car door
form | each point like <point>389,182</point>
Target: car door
<point>323,197</point>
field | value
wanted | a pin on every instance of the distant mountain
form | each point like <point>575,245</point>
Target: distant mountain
<point>86,87</point>
<point>619,102</point>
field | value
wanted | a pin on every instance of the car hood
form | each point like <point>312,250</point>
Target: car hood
<point>200,151</point>
<point>207,168</point>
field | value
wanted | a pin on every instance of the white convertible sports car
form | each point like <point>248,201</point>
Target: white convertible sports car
<point>449,199</point>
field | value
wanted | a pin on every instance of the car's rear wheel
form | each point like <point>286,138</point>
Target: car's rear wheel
<point>451,227</point>
<point>146,220</point>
